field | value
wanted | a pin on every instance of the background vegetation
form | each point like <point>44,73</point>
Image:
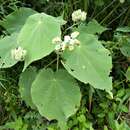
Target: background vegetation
<point>98,111</point>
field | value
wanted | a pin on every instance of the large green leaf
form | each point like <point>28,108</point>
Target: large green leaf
<point>25,83</point>
<point>93,27</point>
<point>6,45</point>
<point>37,34</point>
<point>56,95</point>
<point>90,62</point>
<point>14,21</point>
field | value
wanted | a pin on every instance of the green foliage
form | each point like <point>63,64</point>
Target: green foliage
<point>15,21</point>
<point>56,95</point>
<point>125,49</point>
<point>90,62</point>
<point>45,28</point>
<point>16,125</point>
<point>93,27</point>
<point>125,29</point>
<point>25,83</point>
<point>122,126</point>
<point>63,60</point>
<point>6,45</point>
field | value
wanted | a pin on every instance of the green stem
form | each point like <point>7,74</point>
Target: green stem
<point>72,26</point>
<point>50,63</point>
<point>91,90</point>
<point>85,5</point>
<point>57,65</point>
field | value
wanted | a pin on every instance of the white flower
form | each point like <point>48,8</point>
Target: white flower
<point>79,15</point>
<point>72,42</point>
<point>57,47</point>
<point>56,40</point>
<point>76,15</point>
<point>122,1</point>
<point>76,42</point>
<point>67,39</point>
<point>74,34</point>
<point>71,48</point>
<point>69,42</point>
<point>63,46</point>
<point>18,53</point>
<point>83,16</point>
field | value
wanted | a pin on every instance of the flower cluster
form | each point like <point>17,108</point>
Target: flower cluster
<point>69,42</point>
<point>79,15</point>
<point>18,53</point>
<point>122,1</point>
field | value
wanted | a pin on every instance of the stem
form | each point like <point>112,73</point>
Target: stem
<point>71,26</point>
<point>57,65</point>
<point>85,5</point>
<point>50,63</point>
<point>90,98</point>
<point>129,107</point>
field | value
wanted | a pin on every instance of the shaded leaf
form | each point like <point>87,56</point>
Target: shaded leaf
<point>125,49</point>
<point>93,27</point>
<point>15,21</point>
<point>125,29</point>
<point>56,95</point>
<point>128,74</point>
<point>25,83</point>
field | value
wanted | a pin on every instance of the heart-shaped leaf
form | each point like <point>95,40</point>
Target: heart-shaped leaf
<point>90,62</point>
<point>56,95</point>
<point>37,34</point>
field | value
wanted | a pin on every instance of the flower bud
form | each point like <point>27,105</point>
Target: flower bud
<point>122,1</point>
<point>83,16</point>
<point>79,15</point>
<point>67,38</point>
<point>57,47</point>
<point>74,34</point>
<point>76,42</point>
<point>56,40</point>
<point>71,48</point>
<point>18,54</point>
